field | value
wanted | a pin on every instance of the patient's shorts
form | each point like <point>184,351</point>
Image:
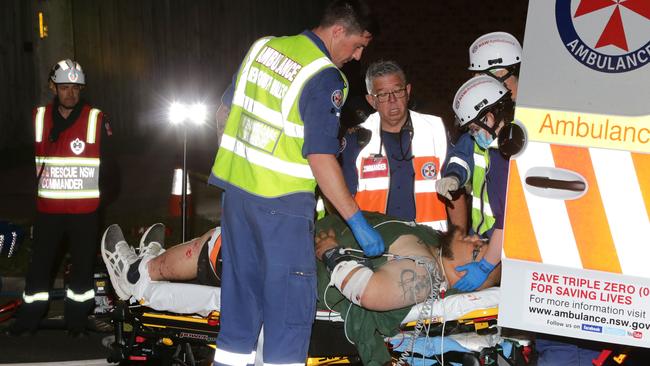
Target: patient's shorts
<point>209,265</point>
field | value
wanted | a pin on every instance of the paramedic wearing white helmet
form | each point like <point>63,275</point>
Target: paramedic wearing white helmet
<point>496,54</point>
<point>68,136</point>
<point>483,107</point>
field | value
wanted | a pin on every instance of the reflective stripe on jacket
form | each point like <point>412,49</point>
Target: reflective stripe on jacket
<point>429,149</point>
<point>68,168</point>
<point>482,217</point>
<point>261,150</point>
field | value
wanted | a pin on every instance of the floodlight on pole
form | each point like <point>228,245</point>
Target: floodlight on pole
<point>179,113</point>
<point>197,113</point>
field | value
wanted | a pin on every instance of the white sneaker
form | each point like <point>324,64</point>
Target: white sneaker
<point>152,241</point>
<point>118,256</point>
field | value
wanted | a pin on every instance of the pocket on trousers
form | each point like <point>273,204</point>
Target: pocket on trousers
<point>301,297</point>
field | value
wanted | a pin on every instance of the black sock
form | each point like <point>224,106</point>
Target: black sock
<point>133,275</point>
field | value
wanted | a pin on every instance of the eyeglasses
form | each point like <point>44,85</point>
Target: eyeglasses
<point>383,97</point>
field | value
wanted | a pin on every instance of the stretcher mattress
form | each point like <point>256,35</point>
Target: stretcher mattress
<point>450,308</point>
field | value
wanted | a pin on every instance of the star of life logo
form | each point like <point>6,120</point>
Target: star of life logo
<point>429,171</point>
<point>611,36</point>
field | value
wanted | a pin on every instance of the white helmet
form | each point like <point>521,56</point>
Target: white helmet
<point>494,50</point>
<point>474,98</point>
<point>67,72</point>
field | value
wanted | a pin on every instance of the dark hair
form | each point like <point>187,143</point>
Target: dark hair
<point>354,15</point>
<point>445,241</point>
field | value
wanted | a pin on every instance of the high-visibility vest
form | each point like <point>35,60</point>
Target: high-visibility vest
<point>603,229</point>
<point>261,149</point>
<point>68,169</point>
<point>429,148</point>
<point>482,216</point>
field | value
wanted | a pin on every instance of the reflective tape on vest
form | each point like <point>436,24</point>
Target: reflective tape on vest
<point>232,358</point>
<point>479,161</point>
<point>265,160</point>
<point>238,97</point>
<point>425,186</point>
<point>88,295</point>
<point>598,230</point>
<point>68,178</point>
<point>429,147</point>
<point>261,149</point>
<point>40,120</point>
<point>296,86</point>
<point>476,202</point>
<point>275,118</point>
<point>39,296</point>
<point>92,125</point>
<point>91,131</point>
<point>482,216</point>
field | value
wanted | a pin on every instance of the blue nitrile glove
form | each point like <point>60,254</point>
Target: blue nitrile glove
<point>475,274</point>
<point>368,238</point>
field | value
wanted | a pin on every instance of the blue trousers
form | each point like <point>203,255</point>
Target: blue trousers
<point>269,278</point>
<point>555,352</point>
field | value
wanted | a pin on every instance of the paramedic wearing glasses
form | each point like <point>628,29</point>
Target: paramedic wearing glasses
<point>391,163</point>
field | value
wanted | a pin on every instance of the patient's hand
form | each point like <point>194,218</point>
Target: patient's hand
<point>323,241</point>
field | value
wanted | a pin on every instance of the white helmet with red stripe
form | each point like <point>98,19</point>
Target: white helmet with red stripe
<point>67,72</point>
<point>494,50</point>
<point>476,97</point>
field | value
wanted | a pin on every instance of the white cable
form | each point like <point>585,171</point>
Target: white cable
<point>427,306</point>
<point>407,223</point>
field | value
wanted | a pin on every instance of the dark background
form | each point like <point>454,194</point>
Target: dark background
<point>138,56</point>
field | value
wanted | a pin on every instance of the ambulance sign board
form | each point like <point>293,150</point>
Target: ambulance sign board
<point>576,258</point>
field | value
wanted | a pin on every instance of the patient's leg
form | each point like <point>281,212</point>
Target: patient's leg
<point>178,263</point>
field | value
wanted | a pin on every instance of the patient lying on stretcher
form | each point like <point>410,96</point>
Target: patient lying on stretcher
<point>419,264</point>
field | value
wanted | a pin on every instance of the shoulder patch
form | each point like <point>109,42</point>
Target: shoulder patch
<point>337,98</point>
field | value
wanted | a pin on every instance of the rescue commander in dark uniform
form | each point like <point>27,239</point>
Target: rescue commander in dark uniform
<point>69,134</point>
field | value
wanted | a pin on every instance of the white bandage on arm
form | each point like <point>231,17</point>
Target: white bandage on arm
<point>356,284</point>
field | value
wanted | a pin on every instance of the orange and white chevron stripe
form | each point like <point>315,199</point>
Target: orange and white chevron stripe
<point>606,229</point>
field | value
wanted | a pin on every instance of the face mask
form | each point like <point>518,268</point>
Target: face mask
<point>483,139</point>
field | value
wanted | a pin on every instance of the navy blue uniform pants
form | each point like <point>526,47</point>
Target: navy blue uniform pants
<point>269,278</point>
<point>49,232</point>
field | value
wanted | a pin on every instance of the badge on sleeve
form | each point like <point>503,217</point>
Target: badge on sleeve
<point>374,167</point>
<point>337,98</point>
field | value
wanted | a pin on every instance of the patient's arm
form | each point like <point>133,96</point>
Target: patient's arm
<point>178,263</point>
